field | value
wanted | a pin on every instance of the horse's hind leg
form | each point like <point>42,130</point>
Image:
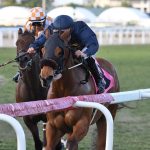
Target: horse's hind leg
<point>32,126</point>
<point>101,128</point>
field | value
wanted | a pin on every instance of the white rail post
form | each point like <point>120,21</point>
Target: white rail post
<point>21,142</point>
<point>127,96</point>
<point>109,120</point>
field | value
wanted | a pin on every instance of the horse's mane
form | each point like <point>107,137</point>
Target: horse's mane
<point>53,38</point>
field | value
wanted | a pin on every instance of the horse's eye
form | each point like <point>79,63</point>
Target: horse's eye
<point>58,52</point>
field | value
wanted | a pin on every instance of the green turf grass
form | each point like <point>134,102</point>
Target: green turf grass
<point>131,125</point>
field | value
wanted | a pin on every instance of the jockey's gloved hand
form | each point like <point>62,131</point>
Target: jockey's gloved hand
<point>31,50</point>
<point>79,53</point>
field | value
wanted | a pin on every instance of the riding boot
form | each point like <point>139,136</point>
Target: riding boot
<point>16,77</point>
<point>97,74</point>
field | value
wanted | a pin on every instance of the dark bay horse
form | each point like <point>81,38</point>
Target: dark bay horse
<point>58,57</point>
<point>29,86</point>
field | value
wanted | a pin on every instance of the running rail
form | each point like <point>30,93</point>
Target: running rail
<point>121,97</point>
<point>21,141</point>
<point>42,106</point>
<point>109,120</point>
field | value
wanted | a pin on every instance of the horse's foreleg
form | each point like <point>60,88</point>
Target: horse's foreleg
<point>79,132</point>
<point>53,137</point>
<point>72,144</point>
<point>59,145</point>
<point>44,135</point>
<point>32,126</point>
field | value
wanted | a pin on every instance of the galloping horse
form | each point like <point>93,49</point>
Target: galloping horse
<point>29,86</point>
<point>58,58</point>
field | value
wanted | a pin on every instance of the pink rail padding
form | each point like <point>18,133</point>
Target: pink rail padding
<point>43,106</point>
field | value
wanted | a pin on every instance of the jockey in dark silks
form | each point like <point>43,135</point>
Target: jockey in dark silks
<point>81,35</point>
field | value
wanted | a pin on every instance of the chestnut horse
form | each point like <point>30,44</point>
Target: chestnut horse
<point>58,58</point>
<point>29,86</point>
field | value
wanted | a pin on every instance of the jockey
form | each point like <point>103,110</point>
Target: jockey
<point>81,34</point>
<point>37,23</point>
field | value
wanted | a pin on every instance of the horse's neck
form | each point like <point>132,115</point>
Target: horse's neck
<point>70,77</point>
<point>69,73</point>
<point>32,82</point>
<point>31,78</point>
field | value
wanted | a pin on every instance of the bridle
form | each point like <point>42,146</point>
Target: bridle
<point>24,59</point>
<point>23,56</point>
<point>16,59</point>
<point>60,63</point>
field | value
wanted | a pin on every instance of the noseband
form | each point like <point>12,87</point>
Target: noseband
<point>58,64</point>
<point>23,57</point>
<point>62,61</point>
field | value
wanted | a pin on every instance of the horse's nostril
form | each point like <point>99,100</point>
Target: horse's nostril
<point>46,82</point>
<point>25,58</point>
<point>49,78</point>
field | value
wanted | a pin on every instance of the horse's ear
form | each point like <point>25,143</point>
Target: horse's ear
<point>47,33</point>
<point>20,31</point>
<point>43,51</point>
<point>19,34</point>
<point>65,35</point>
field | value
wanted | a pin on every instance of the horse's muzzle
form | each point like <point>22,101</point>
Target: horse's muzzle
<point>46,82</point>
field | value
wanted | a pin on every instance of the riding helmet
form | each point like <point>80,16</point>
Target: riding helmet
<point>62,22</point>
<point>37,14</point>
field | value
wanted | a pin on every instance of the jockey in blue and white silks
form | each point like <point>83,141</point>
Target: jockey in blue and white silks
<point>37,23</point>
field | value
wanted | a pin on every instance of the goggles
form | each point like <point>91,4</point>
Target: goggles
<point>39,24</point>
<point>60,31</point>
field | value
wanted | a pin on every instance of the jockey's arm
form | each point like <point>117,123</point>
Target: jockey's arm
<point>38,42</point>
<point>91,47</point>
<point>79,53</point>
<point>88,39</point>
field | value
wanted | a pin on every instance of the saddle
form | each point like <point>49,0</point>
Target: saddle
<point>107,76</point>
